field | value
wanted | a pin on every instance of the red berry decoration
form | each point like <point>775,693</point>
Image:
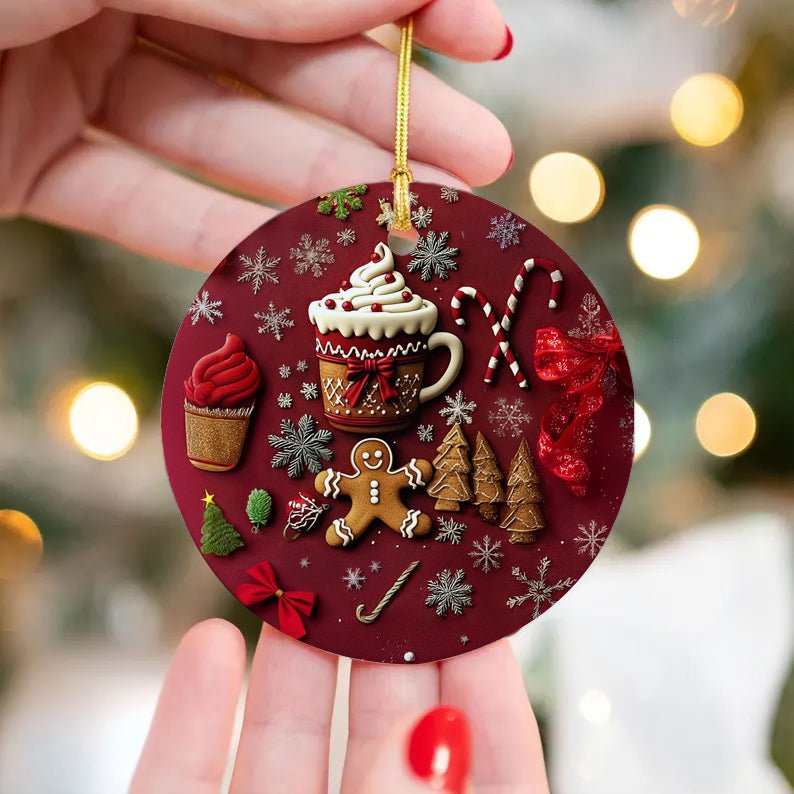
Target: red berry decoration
<point>376,307</point>
<point>407,295</point>
<point>345,284</point>
<point>389,278</point>
<point>330,303</point>
<point>375,257</point>
<point>347,306</point>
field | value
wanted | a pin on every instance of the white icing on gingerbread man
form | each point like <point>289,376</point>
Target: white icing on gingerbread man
<point>374,489</point>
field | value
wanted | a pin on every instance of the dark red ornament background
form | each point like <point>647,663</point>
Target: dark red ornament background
<point>406,625</point>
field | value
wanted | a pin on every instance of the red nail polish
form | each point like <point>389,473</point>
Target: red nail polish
<point>510,161</point>
<point>438,749</point>
<point>508,47</point>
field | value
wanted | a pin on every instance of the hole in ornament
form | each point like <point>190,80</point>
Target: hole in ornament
<point>403,243</point>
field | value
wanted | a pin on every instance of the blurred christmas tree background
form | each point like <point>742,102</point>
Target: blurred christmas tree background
<point>655,143</point>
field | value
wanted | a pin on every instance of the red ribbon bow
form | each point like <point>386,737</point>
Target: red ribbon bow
<point>291,605</point>
<point>359,371</point>
<point>579,366</point>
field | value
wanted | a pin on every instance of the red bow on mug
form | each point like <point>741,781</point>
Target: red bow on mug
<point>359,371</point>
<point>291,604</point>
<point>579,366</point>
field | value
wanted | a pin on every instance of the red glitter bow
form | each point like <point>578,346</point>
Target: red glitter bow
<point>579,366</point>
<point>291,604</point>
<point>359,371</point>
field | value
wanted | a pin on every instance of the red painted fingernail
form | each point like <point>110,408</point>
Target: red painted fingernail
<point>438,750</point>
<point>508,48</point>
<point>510,162</point>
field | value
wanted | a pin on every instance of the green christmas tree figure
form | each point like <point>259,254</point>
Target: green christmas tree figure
<point>259,507</point>
<point>218,536</point>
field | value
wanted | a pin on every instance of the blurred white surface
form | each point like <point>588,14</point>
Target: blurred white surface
<point>668,665</point>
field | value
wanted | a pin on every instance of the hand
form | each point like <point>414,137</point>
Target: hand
<point>82,100</point>
<point>284,743</point>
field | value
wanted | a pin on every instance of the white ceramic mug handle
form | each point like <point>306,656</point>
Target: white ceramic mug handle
<point>455,347</point>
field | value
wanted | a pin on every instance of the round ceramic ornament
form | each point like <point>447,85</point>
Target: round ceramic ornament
<point>398,457</point>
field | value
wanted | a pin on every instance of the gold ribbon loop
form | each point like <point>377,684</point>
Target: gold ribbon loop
<point>401,174</point>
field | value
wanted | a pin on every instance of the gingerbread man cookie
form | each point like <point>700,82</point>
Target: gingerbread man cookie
<point>374,489</point>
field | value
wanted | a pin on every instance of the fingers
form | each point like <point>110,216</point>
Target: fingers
<point>303,21</point>
<point>188,743</point>
<point>243,143</point>
<point>116,194</point>
<point>471,30</point>
<point>352,84</point>
<point>428,753</point>
<point>487,686</point>
<point>380,696</point>
<point>285,734</point>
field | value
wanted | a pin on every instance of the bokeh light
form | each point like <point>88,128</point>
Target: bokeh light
<point>595,707</point>
<point>642,431</point>
<point>21,545</point>
<point>103,421</point>
<point>706,109</point>
<point>664,242</point>
<point>706,12</point>
<point>566,187</point>
<point>725,424</point>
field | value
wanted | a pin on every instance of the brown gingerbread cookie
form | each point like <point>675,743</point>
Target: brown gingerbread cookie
<point>374,489</point>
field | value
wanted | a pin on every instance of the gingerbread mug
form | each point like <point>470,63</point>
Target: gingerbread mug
<point>373,339</point>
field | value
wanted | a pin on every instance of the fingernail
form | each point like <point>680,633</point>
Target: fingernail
<point>510,161</point>
<point>438,750</point>
<point>508,47</point>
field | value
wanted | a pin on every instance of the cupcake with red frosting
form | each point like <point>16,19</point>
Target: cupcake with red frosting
<point>219,399</point>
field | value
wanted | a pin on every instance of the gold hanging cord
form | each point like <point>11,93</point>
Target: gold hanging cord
<point>401,174</point>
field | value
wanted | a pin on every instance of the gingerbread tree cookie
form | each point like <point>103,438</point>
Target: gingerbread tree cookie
<point>450,486</point>
<point>523,516</point>
<point>374,490</point>
<point>487,480</point>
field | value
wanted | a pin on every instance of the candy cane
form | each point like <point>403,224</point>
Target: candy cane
<point>501,328</point>
<point>390,593</point>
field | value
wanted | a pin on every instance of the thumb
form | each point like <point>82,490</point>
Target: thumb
<point>430,754</point>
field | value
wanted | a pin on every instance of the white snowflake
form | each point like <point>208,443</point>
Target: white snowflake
<point>450,531</point>
<point>539,591</point>
<point>284,400</point>
<point>450,195</point>
<point>426,433</point>
<point>305,562</point>
<point>353,578</point>
<point>464,639</point>
<point>458,409</point>
<point>486,554</point>
<point>422,217</point>
<point>259,268</point>
<point>591,538</point>
<point>448,592</point>
<point>311,256</point>
<point>346,237</point>
<point>285,371</point>
<point>509,417</point>
<point>300,447</point>
<point>204,308</point>
<point>433,257</point>
<point>375,566</point>
<point>274,321</point>
<point>310,391</point>
<point>505,229</point>
<point>590,319</point>
<point>386,217</point>
<point>302,365</point>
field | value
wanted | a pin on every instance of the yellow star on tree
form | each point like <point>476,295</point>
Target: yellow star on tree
<point>209,498</point>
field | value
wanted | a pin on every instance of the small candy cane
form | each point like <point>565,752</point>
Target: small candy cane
<point>390,593</point>
<point>501,328</point>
